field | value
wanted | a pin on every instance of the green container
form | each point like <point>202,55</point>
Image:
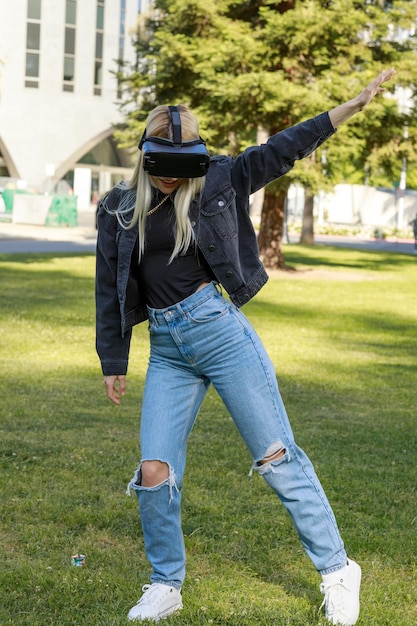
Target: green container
<point>8,197</point>
<point>63,211</point>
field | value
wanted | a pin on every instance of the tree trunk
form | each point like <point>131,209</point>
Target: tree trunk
<point>271,229</point>
<point>307,230</point>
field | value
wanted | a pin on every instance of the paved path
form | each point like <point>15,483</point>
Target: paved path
<point>23,238</point>
<point>27,238</point>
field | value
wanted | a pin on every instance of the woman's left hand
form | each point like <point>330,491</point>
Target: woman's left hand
<point>374,88</point>
<point>344,111</point>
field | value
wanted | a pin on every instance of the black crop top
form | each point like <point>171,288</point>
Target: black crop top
<point>166,284</point>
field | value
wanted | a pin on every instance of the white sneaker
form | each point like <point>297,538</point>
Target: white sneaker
<point>158,601</point>
<point>341,594</point>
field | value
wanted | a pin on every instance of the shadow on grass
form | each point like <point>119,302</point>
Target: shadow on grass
<point>397,331</point>
<point>336,257</point>
<point>47,287</point>
<point>37,257</point>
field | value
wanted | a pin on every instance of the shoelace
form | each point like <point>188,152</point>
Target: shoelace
<point>333,597</point>
<point>149,591</point>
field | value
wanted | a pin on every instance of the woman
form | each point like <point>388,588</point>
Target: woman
<point>166,242</point>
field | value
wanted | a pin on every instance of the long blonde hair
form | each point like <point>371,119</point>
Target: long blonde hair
<point>159,124</point>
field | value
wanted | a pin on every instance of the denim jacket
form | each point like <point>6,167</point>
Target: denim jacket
<point>223,231</point>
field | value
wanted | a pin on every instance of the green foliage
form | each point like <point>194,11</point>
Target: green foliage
<point>341,331</point>
<point>243,65</point>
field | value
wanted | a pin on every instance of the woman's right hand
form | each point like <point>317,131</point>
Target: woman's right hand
<point>115,387</point>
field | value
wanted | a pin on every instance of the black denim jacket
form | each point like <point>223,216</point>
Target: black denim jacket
<point>223,231</point>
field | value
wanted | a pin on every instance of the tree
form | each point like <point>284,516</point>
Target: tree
<point>244,65</point>
<point>345,35</point>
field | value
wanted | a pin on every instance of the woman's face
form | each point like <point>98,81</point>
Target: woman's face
<point>166,184</point>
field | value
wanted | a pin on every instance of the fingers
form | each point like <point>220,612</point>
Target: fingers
<point>375,88</point>
<point>387,74</point>
<point>384,77</point>
<point>115,388</point>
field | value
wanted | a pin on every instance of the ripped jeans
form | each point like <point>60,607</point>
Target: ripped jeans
<point>206,340</point>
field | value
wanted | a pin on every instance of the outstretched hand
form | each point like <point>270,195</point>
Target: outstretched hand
<point>374,88</point>
<point>344,111</point>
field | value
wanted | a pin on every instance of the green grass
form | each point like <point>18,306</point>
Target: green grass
<point>342,334</point>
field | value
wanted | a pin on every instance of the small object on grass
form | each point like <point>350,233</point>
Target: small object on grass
<point>78,560</point>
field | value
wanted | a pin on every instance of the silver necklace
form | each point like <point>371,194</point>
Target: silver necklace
<point>155,208</point>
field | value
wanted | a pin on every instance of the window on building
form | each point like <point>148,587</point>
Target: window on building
<point>33,43</point>
<point>98,60</point>
<point>120,60</point>
<point>34,9</point>
<point>100,15</point>
<point>71,12</point>
<point>69,45</point>
<point>98,57</point>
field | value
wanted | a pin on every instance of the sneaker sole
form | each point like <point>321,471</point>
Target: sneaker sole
<point>170,611</point>
<point>163,615</point>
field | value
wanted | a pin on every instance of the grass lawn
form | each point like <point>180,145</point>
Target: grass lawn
<point>341,331</point>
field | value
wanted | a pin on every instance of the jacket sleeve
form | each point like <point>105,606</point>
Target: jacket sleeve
<point>259,165</point>
<point>112,348</point>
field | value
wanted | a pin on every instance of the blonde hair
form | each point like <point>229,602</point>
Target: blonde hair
<point>159,124</point>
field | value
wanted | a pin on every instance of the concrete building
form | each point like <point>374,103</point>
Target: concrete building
<point>59,96</point>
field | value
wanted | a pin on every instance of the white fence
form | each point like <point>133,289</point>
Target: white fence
<point>357,205</point>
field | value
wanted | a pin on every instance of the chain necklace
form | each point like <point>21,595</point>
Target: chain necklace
<point>155,208</point>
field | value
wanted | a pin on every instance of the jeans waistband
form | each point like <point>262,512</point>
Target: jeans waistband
<point>180,309</point>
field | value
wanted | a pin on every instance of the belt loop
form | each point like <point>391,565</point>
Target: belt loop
<point>181,310</point>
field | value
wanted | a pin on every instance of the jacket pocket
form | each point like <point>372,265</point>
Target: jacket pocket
<point>220,213</point>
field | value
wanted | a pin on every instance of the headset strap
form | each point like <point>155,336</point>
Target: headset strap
<point>176,125</point>
<point>176,132</point>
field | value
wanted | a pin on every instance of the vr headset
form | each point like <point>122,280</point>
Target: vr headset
<point>174,158</point>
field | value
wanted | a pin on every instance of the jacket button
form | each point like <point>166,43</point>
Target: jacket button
<point>229,273</point>
<point>212,246</point>
<point>193,224</point>
<point>221,203</point>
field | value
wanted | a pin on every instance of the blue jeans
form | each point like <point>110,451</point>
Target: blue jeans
<point>202,340</point>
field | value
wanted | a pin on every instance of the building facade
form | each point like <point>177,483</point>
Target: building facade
<point>59,93</point>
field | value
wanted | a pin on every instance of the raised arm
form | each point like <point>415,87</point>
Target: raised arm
<point>344,111</point>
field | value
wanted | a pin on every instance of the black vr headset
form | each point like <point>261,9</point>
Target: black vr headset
<point>174,158</point>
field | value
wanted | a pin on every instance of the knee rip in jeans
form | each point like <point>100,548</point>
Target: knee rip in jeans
<point>136,482</point>
<point>274,456</point>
